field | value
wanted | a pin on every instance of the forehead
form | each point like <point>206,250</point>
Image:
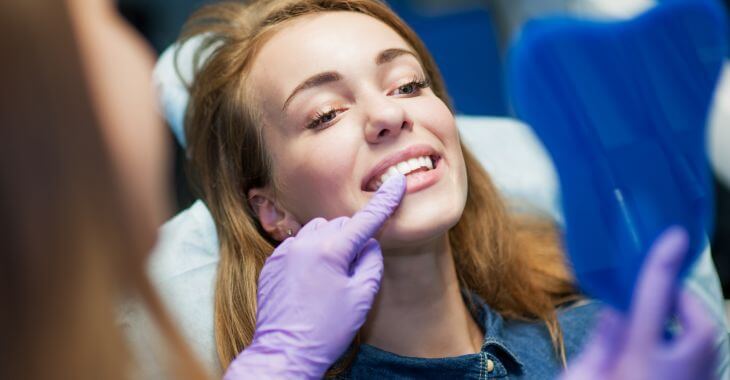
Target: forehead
<point>311,44</point>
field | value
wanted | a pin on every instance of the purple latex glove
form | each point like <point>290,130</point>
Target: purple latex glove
<point>633,347</point>
<point>315,291</point>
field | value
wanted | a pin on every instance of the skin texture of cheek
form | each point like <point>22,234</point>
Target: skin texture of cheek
<point>318,179</point>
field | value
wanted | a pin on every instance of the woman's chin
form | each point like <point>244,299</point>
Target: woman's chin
<point>401,233</point>
<point>426,215</point>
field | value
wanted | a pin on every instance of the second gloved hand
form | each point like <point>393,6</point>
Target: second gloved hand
<point>315,291</point>
<point>633,346</point>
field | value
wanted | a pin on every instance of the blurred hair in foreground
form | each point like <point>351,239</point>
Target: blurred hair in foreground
<point>72,252</point>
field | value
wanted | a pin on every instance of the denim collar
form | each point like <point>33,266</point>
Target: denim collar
<point>493,348</point>
<point>492,324</point>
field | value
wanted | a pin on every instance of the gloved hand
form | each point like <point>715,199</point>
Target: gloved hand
<point>633,346</point>
<point>315,291</point>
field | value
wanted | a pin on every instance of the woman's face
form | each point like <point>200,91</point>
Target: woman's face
<point>344,99</point>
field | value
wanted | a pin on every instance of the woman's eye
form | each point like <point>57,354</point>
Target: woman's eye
<point>322,119</point>
<point>412,87</point>
<point>329,116</point>
<point>408,88</point>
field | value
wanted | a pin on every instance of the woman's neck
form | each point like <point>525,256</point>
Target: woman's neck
<point>420,311</point>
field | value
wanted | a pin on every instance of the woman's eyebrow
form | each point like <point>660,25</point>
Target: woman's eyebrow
<point>320,79</point>
<point>313,81</point>
<point>388,55</point>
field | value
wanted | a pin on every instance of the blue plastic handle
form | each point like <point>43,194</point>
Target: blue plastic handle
<point>622,108</point>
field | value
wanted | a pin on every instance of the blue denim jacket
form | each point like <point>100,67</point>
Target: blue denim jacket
<point>516,349</point>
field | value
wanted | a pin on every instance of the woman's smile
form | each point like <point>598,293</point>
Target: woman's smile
<point>419,163</point>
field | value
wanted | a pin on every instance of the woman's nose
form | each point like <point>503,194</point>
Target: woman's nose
<point>386,119</point>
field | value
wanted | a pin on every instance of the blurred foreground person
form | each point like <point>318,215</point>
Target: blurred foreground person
<point>77,219</point>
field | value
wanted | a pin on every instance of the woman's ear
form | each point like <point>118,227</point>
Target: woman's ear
<point>277,222</point>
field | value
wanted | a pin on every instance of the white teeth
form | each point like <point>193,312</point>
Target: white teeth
<point>404,168</point>
<point>414,163</point>
<point>392,171</point>
<point>389,173</point>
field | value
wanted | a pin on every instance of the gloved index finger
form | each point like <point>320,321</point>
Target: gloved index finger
<point>655,290</point>
<point>366,222</point>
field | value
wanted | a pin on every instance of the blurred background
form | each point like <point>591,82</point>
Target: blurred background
<point>472,68</point>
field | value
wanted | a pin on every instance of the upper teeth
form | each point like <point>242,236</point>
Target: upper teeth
<point>404,167</point>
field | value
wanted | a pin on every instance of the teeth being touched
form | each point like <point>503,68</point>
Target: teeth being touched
<point>414,163</point>
<point>404,167</point>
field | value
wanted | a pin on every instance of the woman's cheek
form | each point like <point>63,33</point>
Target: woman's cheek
<point>315,187</point>
<point>432,113</point>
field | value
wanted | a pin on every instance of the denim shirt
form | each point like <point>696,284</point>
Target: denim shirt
<point>516,350</point>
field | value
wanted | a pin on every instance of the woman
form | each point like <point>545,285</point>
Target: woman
<point>301,112</point>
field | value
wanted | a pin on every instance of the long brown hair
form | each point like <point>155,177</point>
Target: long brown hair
<point>515,264</point>
<point>71,254</point>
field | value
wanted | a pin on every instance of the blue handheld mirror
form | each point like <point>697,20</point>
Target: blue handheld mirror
<point>622,109</point>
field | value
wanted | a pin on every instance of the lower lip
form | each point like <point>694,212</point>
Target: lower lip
<point>421,180</point>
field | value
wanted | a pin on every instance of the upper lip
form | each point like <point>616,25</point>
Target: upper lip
<point>412,151</point>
